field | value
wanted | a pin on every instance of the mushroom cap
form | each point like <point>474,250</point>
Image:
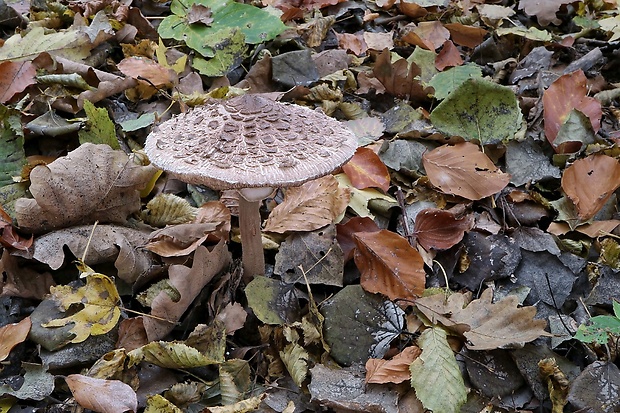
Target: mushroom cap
<point>250,141</point>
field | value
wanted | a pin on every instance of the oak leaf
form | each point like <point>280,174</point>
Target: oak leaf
<point>589,182</point>
<point>464,170</point>
<point>389,265</point>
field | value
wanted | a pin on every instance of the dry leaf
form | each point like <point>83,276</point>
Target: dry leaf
<point>589,183</point>
<point>400,78</point>
<point>565,94</point>
<point>22,282</point>
<point>93,182</point>
<point>345,232</point>
<point>449,56</point>
<point>13,334</point>
<point>103,396</point>
<point>188,282</point>
<point>389,265</point>
<point>428,35</point>
<point>439,229</point>
<point>465,171</point>
<point>486,325</point>
<point>309,207</point>
<point>367,170</point>
<point>396,370</point>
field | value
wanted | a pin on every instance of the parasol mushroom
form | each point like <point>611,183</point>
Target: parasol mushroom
<point>254,145</point>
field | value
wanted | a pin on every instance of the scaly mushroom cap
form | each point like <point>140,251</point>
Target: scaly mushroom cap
<point>250,141</point>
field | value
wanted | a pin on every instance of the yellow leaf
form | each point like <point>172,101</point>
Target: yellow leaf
<point>100,307</point>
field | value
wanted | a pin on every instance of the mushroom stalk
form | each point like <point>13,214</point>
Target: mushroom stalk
<point>251,240</point>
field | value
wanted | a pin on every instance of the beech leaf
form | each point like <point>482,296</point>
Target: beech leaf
<point>389,265</point>
<point>103,396</point>
<point>589,182</point>
<point>396,370</point>
<point>464,170</point>
<point>366,170</point>
<point>439,229</point>
<point>309,207</point>
<point>13,334</point>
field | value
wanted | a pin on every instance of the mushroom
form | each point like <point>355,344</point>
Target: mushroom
<point>252,144</point>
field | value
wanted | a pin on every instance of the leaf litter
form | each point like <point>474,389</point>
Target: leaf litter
<point>478,216</point>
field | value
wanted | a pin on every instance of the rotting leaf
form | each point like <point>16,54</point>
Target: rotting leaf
<point>273,302</point>
<point>479,110</point>
<point>486,325</point>
<point>389,265</point>
<point>359,325</point>
<point>93,182</point>
<point>11,145</point>
<point>37,383</point>
<point>173,355</point>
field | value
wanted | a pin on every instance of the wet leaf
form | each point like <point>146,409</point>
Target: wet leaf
<point>465,171</point>
<point>389,265</point>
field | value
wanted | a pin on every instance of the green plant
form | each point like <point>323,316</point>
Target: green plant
<point>601,328</point>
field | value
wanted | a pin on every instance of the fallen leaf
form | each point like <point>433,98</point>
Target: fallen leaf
<point>440,229</point>
<point>174,355</point>
<point>464,170</point>
<point>436,368</point>
<point>396,370</point>
<point>544,11</point>
<point>13,334</point>
<point>15,77</point>
<point>93,182</point>
<point>103,396</point>
<point>568,92</point>
<point>428,35</point>
<point>399,78</point>
<point>20,281</point>
<point>309,207</point>
<point>589,182</point>
<point>366,170</point>
<point>449,56</point>
<point>486,325</point>
<point>345,232</point>
<point>389,265</point>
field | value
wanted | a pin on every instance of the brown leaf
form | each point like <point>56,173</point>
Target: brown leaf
<point>543,10</point>
<point>449,56</point>
<point>198,13</point>
<point>486,325</point>
<point>149,69</point>
<point>15,77</point>
<point>13,334</point>
<point>309,207</point>
<point>345,232</point>
<point>465,171</point>
<point>399,78</point>
<point>24,281</point>
<point>182,239</point>
<point>565,94</point>
<point>103,396</point>
<point>353,43</point>
<point>367,170</point>
<point>93,182</point>
<point>468,36</point>
<point>428,35</point>
<point>389,265</point>
<point>440,229</point>
<point>589,183</point>
<point>381,371</point>
<point>131,334</point>
<point>188,282</point>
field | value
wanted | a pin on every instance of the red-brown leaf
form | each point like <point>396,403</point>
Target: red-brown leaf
<point>565,94</point>
<point>366,170</point>
<point>589,183</point>
<point>381,371</point>
<point>465,171</point>
<point>439,229</point>
<point>104,396</point>
<point>449,56</point>
<point>345,232</point>
<point>389,265</point>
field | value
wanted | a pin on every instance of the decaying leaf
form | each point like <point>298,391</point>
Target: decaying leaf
<point>589,182</point>
<point>173,355</point>
<point>37,383</point>
<point>396,370</point>
<point>389,265</point>
<point>440,229</point>
<point>295,358</point>
<point>93,182</point>
<point>345,232</point>
<point>273,301</point>
<point>309,207</point>
<point>486,325</point>
<point>100,307</point>
<point>104,396</point>
<point>464,170</point>
<point>436,368</point>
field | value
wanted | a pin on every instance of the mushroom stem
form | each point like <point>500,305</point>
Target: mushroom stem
<point>251,239</point>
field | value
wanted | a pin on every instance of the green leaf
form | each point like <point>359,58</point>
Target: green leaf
<point>601,328</point>
<point>229,53</point>
<point>144,120</point>
<point>272,301</point>
<point>172,355</point>
<point>435,375</point>
<point>445,82</point>
<point>258,25</point>
<point>11,145</point>
<point>100,128</point>
<point>479,110</point>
